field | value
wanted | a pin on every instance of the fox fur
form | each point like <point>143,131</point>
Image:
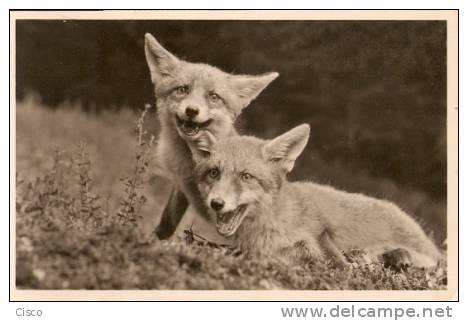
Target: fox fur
<point>246,176</point>
<point>192,98</point>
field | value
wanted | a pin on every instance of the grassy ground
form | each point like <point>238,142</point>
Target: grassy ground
<point>84,212</point>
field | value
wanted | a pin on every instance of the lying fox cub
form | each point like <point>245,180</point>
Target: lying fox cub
<point>243,182</point>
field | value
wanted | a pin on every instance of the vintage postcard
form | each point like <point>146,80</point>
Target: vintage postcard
<point>234,155</point>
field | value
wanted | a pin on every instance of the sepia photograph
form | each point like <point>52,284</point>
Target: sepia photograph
<point>234,155</point>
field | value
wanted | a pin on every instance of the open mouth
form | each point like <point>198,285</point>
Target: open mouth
<point>227,223</point>
<point>191,128</point>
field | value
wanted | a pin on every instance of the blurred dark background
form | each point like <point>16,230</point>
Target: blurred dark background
<point>374,92</point>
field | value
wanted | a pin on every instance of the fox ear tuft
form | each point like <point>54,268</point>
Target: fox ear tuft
<point>160,61</point>
<point>203,146</point>
<point>249,87</point>
<point>285,149</point>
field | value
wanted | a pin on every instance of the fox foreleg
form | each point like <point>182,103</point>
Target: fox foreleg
<point>302,251</point>
<point>172,214</point>
<point>330,248</point>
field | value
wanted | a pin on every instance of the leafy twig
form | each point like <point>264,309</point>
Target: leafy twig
<point>132,203</point>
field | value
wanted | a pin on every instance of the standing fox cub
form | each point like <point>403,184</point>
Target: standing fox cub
<point>243,182</point>
<point>192,98</point>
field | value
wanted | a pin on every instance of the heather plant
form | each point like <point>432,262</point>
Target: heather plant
<point>89,203</point>
<point>133,201</point>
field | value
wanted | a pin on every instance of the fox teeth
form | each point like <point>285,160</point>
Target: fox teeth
<point>191,128</point>
<point>234,218</point>
<point>190,131</point>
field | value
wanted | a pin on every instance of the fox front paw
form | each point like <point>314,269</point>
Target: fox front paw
<point>398,259</point>
<point>164,232</point>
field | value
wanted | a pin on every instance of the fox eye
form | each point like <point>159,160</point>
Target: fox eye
<point>181,90</point>
<point>213,173</point>
<point>214,97</point>
<point>246,176</point>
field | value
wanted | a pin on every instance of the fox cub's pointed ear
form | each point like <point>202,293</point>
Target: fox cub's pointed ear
<point>248,87</point>
<point>285,149</point>
<point>160,61</point>
<point>202,147</point>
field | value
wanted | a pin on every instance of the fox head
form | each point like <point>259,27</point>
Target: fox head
<point>240,177</point>
<point>196,97</point>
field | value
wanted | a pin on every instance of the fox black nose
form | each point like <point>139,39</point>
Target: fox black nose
<point>191,112</point>
<point>217,204</point>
